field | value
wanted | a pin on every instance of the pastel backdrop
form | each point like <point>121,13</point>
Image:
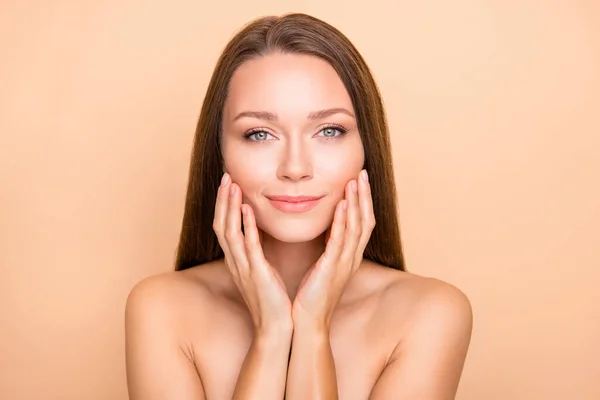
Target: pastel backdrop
<point>493,109</point>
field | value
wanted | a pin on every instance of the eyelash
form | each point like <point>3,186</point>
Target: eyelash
<point>339,128</point>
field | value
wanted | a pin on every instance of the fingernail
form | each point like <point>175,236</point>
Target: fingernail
<point>365,176</point>
<point>353,186</point>
<point>225,179</point>
<point>232,191</point>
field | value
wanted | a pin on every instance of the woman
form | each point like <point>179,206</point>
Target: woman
<point>290,280</point>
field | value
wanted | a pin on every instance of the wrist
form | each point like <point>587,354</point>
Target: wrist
<point>272,346</point>
<point>311,336</point>
<point>302,321</point>
<point>274,334</point>
<point>311,326</point>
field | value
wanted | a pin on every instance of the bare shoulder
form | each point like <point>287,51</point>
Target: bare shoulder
<point>163,291</point>
<point>414,302</point>
<point>430,296</point>
<point>171,297</point>
<point>431,321</point>
<point>165,314</point>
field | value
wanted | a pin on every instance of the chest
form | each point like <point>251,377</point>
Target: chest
<point>360,347</point>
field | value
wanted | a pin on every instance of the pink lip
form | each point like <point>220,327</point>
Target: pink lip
<point>294,203</point>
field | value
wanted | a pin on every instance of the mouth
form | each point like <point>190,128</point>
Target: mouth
<point>294,204</point>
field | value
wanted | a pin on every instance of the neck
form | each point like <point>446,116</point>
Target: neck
<point>292,260</point>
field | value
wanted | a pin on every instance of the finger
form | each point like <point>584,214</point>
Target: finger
<point>353,225</point>
<point>261,235</point>
<point>220,219</point>
<point>259,232</point>
<point>252,237</point>
<point>233,229</point>
<point>367,214</point>
<point>328,233</point>
<point>335,243</point>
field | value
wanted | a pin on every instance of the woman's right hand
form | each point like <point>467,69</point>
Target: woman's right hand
<point>259,283</point>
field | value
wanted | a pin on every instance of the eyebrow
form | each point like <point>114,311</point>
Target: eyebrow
<point>269,116</point>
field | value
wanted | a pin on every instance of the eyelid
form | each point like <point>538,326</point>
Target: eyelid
<point>255,130</point>
<point>340,128</point>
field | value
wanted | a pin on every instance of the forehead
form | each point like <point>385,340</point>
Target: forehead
<point>286,84</point>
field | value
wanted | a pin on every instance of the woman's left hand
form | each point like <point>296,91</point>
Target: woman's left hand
<point>324,283</point>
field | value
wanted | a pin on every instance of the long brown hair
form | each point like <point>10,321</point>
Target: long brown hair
<point>303,34</point>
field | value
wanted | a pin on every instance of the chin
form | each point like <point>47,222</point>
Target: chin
<point>294,230</point>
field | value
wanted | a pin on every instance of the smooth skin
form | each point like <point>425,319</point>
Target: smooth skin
<point>309,316</point>
<point>293,309</point>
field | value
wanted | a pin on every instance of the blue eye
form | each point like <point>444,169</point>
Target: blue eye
<point>332,132</point>
<point>259,135</point>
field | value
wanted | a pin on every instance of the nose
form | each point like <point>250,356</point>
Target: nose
<point>296,163</point>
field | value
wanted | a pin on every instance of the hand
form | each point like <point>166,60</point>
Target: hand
<point>259,283</point>
<point>347,238</point>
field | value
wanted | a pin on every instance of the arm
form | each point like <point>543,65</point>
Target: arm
<point>428,362</point>
<point>158,365</point>
<point>263,372</point>
<point>311,373</point>
<point>312,368</point>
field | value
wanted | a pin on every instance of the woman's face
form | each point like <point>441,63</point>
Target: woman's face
<point>289,130</point>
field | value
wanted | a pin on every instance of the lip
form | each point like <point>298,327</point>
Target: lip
<point>294,203</point>
<point>294,199</point>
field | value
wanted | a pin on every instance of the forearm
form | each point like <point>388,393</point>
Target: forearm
<point>311,372</point>
<point>263,373</point>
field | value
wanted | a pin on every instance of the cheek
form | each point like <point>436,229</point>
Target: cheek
<point>346,154</point>
<point>339,168</point>
<point>250,173</point>
<point>245,164</point>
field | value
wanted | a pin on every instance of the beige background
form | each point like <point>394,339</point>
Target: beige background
<point>494,114</point>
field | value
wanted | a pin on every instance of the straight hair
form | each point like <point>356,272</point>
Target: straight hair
<point>300,34</point>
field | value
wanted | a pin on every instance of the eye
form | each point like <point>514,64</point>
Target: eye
<point>332,132</point>
<point>257,135</point>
